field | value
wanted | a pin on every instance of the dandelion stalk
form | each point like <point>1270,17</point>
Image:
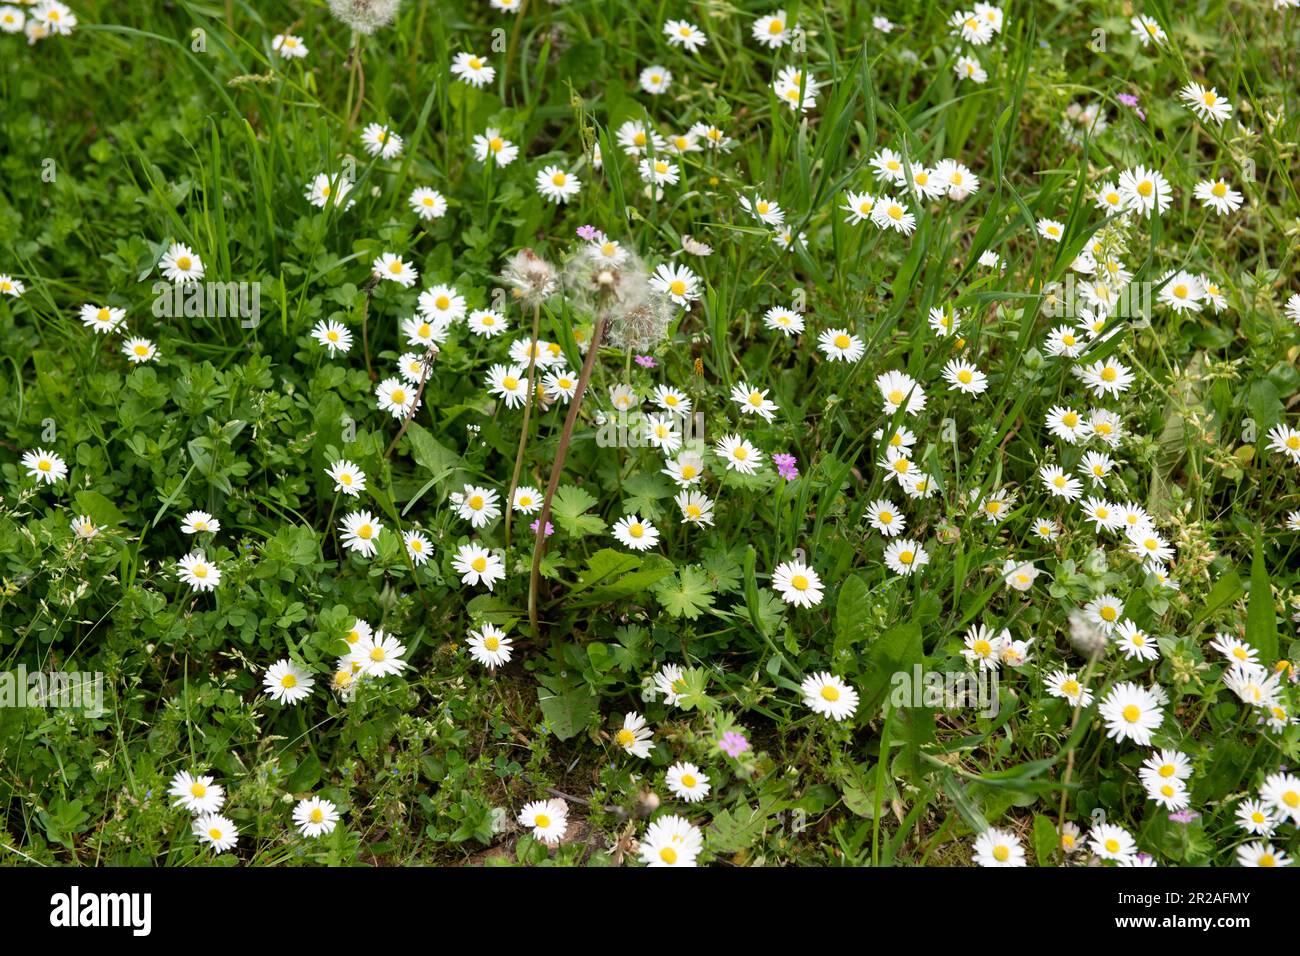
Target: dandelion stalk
<point>528,409</point>
<point>566,437</point>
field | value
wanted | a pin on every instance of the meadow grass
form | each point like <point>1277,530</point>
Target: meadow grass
<point>796,633</point>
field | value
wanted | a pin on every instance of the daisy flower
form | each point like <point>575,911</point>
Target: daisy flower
<point>198,572</point>
<point>1147,30</point>
<point>418,547</point>
<point>1216,194</point>
<point>906,556</point>
<point>686,469</point>
<point>679,283</point>
<point>556,185</point>
<point>181,264</point>
<point>392,268</point>
<point>1131,712</point>
<point>11,286</point>
<point>695,507</point>
<point>634,736</point>
<point>1066,685</point>
<point>315,817</point>
<point>1111,842</point>
<point>1281,792</point>
<point>797,583</point>
<point>289,47</point>
<point>685,34</point>
<point>687,782</point>
<point>478,506</point>
<point>753,401</point>
<point>199,522</point>
<point>1145,191</point>
<point>473,70</point>
<point>885,517</point>
<point>287,683</point>
<point>347,477</point>
<point>44,466</point>
<point>965,378</point>
<point>773,30</point>
<point>216,831</point>
<point>1206,102</point>
<point>655,80</point>
<point>333,336</point>
<point>490,646</point>
<point>548,819</point>
<point>840,345</point>
<point>1107,377</point>
<point>1255,818</point>
<point>508,382</point>
<point>379,655</point>
<point>360,532</point>
<point>636,533</point>
<point>428,204</point>
<point>476,565</point>
<point>379,140</point>
<point>397,397</point>
<point>828,696</point>
<point>1134,642</point>
<point>671,841</point>
<point>738,454</point>
<point>969,68</point>
<point>561,384</point>
<point>889,213</point>
<point>858,206</point>
<point>197,794</point>
<point>102,318</point>
<point>490,143</point>
<point>898,387</point>
<point>1261,854</point>
<point>996,847</point>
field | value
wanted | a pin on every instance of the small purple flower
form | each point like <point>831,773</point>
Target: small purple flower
<point>785,466</point>
<point>733,744</point>
<point>1184,816</point>
<point>588,233</point>
<point>550,528</point>
<point>646,361</point>
<point>1131,101</point>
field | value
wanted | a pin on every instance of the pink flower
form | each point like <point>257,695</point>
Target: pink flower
<point>733,744</point>
<point>785,466</point>
<point>550,528</point>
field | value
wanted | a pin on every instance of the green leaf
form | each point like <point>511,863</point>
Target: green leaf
<point>568,509</point>
<point>687,594</point>
<point>566,713</point>
<point>98,508</point>
<point>1261,622</point>
<point>896,650</point>
<point>1045,839</point>
<point>306,776</point>
<point>853,609</point>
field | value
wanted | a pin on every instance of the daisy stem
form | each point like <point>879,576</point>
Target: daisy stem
<point>369,290</point>
<point>424,380</point>
<point>329,523</point>
<point>557,466</point>
<point>523,431</point>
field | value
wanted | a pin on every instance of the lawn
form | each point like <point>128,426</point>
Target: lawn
<point>613,433</point>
